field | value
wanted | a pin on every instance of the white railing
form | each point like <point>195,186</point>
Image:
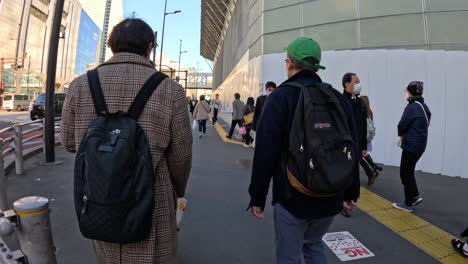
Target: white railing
<point>9,218</point>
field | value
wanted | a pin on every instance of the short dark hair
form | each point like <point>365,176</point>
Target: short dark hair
<point>299,66</point>
<point>270,85</point>
<point>250,101</point>
<point>237,95</point>
<point>202,98</point>
<point>131,35</point>
<point>347,78</point>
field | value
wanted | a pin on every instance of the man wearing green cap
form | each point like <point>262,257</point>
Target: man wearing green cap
<point>300,220</point>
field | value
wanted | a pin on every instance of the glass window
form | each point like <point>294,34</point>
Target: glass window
<point>39,14</point>
<point>60,98</point>
<point>7,97</point>
<point>40,99</point>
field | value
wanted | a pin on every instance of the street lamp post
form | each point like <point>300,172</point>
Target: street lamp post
<point>162,37</point>
<point>180,56</point>
<point>155,46</point>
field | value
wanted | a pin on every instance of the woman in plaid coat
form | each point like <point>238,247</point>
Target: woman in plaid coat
<point>166,123</point>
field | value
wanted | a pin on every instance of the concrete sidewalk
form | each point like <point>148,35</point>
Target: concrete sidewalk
<point>218,229</point>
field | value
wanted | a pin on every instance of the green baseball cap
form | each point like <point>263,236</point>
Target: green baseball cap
<point>303,48</point>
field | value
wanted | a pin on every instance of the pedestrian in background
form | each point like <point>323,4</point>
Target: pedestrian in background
<point>301,220</point>
<point>269,88</point>
<point>201,113</point>
<point>372,169</point>
<point>237,114</point>
<point>192,103</point>
<point>249,111</point>
<point>216,105</point>
<point>352,90</point>
<point>165,121</point>
<point>413,131</point>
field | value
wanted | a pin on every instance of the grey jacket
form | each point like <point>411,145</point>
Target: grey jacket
<point>237,109</point>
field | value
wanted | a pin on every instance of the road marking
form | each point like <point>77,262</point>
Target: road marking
<point>429,238</point>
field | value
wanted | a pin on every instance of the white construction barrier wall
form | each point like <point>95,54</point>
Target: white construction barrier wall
<point>385,74</point>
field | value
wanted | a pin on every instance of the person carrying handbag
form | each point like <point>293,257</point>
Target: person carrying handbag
<point>201,113</point>
<point>249,111</point>
<point>413,130</point>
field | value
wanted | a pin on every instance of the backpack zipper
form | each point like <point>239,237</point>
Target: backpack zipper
<point>85,204</point>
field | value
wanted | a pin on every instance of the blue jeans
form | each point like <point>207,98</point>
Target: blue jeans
<point>202,126</point>
<point>299,237</point>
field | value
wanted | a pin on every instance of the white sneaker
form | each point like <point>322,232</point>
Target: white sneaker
<point>200,135</point>
<point>246,146</point>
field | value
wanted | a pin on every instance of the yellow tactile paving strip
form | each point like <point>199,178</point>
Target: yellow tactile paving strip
<point>429,238</point>
<point>222,135</point>
<point>432,240</point>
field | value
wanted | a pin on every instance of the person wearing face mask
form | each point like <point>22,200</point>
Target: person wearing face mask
<point>413,130</point>
<point>269,88</point>
<point>352,90</point>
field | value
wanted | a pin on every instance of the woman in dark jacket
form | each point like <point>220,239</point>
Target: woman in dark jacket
<point>413,131</point>
<point>248,109</point>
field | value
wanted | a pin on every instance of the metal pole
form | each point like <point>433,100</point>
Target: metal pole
<point>35,233</point>
<point>3,195</point>
<point>180,56</point>
<point>162,38</point>
<point>19,161</point>
<point>155,46</point>
<point>18,40</point>
<point>1,72</point>
<point>49,136</point>
<point>29,74</point>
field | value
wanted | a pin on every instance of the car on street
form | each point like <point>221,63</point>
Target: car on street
<point>37,107</point>
<point>18,102</point>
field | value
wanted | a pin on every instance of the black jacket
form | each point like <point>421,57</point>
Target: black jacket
<point>413,127</point>
<point>360,116</point>
<point>271,145</point>
<point>258,110</point>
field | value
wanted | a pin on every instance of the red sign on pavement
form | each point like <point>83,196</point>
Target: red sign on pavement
<point>346,247</point>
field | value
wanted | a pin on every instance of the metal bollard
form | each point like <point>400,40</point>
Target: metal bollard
<point>3,195</point>
<point>19,160</point>
<point>35,232</point>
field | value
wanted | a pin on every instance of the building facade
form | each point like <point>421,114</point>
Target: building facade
<point>88,44</point>
<point>387,43</point>
<point>106,14</point>
<point>25,31</point>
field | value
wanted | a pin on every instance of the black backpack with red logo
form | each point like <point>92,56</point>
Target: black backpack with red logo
<point>321,159</point>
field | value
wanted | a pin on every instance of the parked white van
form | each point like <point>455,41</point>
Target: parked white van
<point>17,102</point>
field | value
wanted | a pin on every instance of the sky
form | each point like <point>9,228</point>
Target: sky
<point>185,26</point>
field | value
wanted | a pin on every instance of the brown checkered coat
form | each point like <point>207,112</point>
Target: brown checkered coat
<point>167,126</point>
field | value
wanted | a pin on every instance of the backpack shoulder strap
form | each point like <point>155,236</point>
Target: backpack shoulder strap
<point>96,92</point>
<point>145,93</point>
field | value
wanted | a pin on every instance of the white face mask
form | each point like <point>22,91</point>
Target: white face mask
<point>357,89</point>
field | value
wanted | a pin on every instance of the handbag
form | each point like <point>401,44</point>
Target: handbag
<point>194,124</point>
<point>243,131</point>
<point>248,119</point>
